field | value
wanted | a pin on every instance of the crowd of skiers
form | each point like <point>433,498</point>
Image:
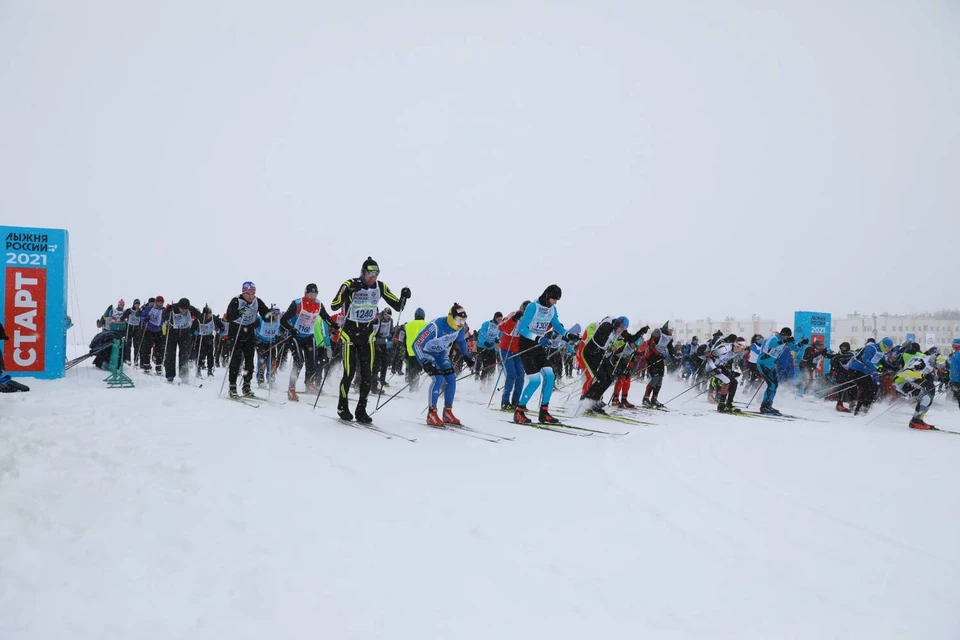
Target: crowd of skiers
<point>529,349</point>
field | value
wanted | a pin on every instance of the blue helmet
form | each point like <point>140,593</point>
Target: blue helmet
<point>886,344</point>
<point>622,322</point>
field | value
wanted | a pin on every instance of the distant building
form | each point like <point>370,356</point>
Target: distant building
<point>926,329</point>
<point>705,328</point>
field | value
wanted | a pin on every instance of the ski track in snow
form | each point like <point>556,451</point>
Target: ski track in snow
<point>163,512</point>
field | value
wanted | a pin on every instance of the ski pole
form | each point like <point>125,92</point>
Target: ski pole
<point>896,402</point>
<point>495,385</point>
<point>685,391</point>
<point>230,361</point>
<point>380,406</point>
<point>755,394</point>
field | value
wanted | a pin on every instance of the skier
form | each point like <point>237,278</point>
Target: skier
<point>132,319</point>
<point>600,368</point>
<point>509,359</point>
<point>242,312</point>
<point>867,363</point>
<point>300,321</point>
<point>432,348</point>
<point>718,364</point>
<point>411,330</point>
<point>655,350</point>
<point>488,337</point>
<point>322,333</point>
<point>955,369</point>
<point>208,326</point>
<point>689,350</point>
<point>382,332</point>
<point>152,318</point>
<point>534,324</point>
<point>750,361</point>
<point>843,380</point>
<point>360,298</point>
<point>268,348</point>
<point>770,351</point>
<point>179,319</point>
<point>917,379</point>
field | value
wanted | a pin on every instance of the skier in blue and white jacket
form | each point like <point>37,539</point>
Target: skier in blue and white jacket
<point>432,350</point>
<point>770,352</point>
<point>487,340</point>
<point>538,318</point>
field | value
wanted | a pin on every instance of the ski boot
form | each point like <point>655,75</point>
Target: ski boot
<point>9,385</point>
<point>646,403</point>
<point>616,402</point>
<point>170,379</point>
<point>361,414</point>
<point>732,409</point>
<point>626,404</point>
<point>247,391</point>
<point>520,415</point>
<point>918,423</point>
<point>292,395</point>
<point>432,418</point>
<point>233,391</point>
<point>768,410</point>
<point>313,389</point>
<point>656,404</point>
<point>449,418</point>
<point>506,406</point>
<point>343,411</point>
<point>596,408</point>
<point>545,416</point>
<point>841,408</point>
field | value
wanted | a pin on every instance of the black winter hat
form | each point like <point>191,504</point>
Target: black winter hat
<point>369,265</point>
<point>136,301</point>
<point>553,291</point>
<point>786,332</point>
<point>311,288</point>
<point>183,303</point>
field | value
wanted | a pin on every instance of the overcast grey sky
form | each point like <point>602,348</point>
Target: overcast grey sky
<point>654,159</point>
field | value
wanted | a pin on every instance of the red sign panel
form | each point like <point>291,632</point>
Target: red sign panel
<point>25,318</point>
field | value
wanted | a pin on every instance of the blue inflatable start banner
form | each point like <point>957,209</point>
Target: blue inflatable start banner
<point>34,301</point>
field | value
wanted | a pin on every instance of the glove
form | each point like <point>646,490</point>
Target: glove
<point>429,368</point>
<point>571,337</point>
<point>643,330</point>
<point>804,342</point>
<point>405,292</point>
<point>918,364</point>
<point>470,360</point>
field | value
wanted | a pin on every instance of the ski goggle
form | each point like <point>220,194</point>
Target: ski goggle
<point>372,272</point>
<point>460,314</point>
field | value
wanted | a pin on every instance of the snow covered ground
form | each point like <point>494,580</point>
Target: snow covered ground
<point>165,512</point>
